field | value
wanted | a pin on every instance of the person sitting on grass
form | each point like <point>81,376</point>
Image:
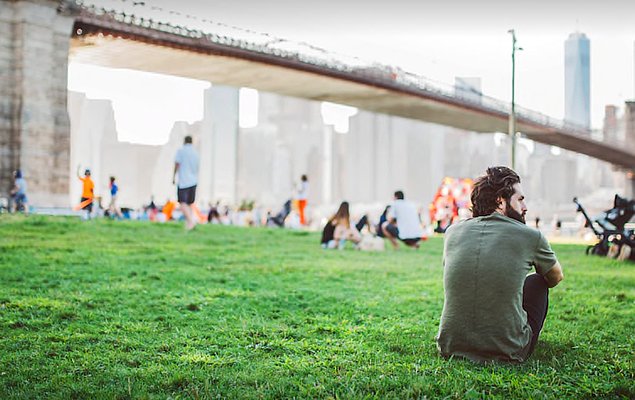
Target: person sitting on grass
<point>493,310</point>
<point>402,223</point>
<point>338,229</point>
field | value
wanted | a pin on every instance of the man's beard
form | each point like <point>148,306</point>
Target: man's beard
<point>511,213</point>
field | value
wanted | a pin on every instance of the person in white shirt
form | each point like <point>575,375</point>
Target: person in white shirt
<point>186,166</point>
<point>402,223</point>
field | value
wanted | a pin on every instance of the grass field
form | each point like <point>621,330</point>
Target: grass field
<point>104,309</point>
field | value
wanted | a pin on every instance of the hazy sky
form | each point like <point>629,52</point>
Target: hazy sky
<point>442,40</point>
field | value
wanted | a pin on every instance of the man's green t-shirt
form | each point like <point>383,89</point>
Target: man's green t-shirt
<point>486,260</point>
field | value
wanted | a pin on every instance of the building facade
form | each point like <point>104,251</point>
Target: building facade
<point>577,79</point>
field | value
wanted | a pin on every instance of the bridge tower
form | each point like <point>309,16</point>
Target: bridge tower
<point>34,123</point>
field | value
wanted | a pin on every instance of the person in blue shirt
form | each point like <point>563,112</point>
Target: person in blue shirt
<point>18,193</point>
<point>113,209</point>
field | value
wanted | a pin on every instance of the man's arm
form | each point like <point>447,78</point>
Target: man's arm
<point>78,168</point>
<point>176,168</point>
<point>554,275</point>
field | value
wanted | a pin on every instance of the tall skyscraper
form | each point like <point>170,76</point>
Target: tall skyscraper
<point>577,79</point>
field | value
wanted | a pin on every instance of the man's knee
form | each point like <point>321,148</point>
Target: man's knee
<point>384,230</point>
<point>536,282</point>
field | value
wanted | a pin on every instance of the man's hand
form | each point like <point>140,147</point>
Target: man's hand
<point>554,276</point>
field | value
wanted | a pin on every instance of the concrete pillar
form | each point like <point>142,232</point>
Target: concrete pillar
<point>629,124</point>
<point>219,145</point>
<point>34,124</point>
<point>327,165</point>
<point>629,185</point>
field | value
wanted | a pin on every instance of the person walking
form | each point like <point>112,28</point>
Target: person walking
<point>494,309</point>
<point>112,207</point>
<point>186,164</point>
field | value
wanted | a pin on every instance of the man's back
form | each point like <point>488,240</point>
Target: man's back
<point>20,183</point>
<point>407,219</point>
<point>486,260</point>
<point>188,161</point>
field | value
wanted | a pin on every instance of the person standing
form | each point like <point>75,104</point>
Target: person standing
<point>112,207</point>
<point>402,223</point>
<point>493,308</point>
<point>303,192</point>
<point>88,192</point>
<point>20,200</point>
<point>186,164</point>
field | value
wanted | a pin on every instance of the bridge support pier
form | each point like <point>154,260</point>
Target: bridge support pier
<point>629,186</point>
<point>34,123</point>
<point>219,145</point>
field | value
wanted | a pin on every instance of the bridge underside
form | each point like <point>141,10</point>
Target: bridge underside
<point>117,52</point>
<point>114,52</point>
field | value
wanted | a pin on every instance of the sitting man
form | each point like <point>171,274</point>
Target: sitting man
<point>402,223</point>
<point>494,310</point>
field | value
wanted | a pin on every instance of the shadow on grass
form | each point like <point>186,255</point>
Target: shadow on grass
<point>548,350</point>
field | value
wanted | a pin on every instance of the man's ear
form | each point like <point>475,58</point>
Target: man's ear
<point>501,204</point>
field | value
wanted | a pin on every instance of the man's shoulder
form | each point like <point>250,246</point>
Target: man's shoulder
<point>189,150</point>
<point>404,205</point>
<point>513,226</point>
<point>498,220</point>
<point>460,225</point>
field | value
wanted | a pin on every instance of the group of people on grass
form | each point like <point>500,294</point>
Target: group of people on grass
<point>185,177</point>
<point>88,195</point>
<point>400,221</point>
<point>185,167</point>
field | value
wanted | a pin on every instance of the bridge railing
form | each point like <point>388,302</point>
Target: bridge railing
<point>139,14</point>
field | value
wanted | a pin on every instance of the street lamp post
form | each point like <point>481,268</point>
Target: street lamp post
<point>512,114</point>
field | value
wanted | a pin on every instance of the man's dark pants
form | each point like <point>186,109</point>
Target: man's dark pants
<point>535,303</point>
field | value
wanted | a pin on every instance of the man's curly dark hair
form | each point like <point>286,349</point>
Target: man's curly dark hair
<point>495,184</point>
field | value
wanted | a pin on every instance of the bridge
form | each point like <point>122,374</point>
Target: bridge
<point>131,40</point>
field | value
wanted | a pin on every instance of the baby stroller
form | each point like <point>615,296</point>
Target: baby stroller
<point>615,240</point>
<point>278,219</point>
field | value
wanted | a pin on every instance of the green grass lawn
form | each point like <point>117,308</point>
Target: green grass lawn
<point>104,309</point>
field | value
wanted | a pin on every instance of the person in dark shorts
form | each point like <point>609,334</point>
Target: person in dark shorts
<point>494,309</point>
<point>186,167</point>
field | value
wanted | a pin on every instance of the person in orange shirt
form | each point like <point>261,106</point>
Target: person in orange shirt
<point>88,191</point>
